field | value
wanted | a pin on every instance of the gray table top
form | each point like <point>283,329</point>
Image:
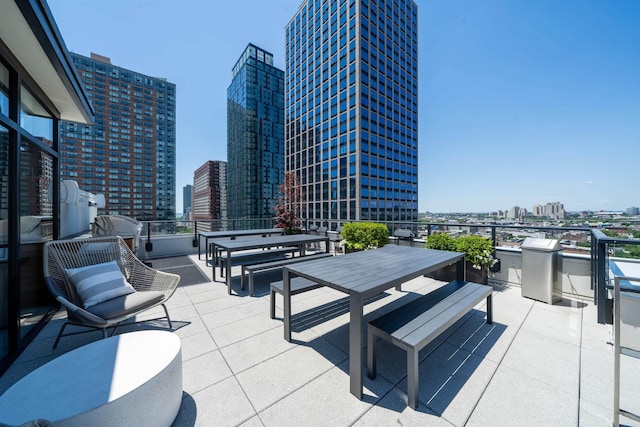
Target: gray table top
<point>373,271</point>
<point>236,233</point>
<point>265,242</point>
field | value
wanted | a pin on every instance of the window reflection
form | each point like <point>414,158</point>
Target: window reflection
<point>36,194</point>
<point>4,90</point>
<point>34,117</point>
<point>4,252</point>
<point>36,226</point>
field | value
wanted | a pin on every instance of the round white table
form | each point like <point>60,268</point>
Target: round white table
<point>130,379</point>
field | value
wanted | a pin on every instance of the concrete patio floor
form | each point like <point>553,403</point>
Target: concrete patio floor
<point>536,365</point>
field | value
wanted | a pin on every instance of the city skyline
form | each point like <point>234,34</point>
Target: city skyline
<point>535,99</point>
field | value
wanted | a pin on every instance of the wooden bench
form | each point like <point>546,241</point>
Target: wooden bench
<point>273,265</point>
<point>298,285</point>
<point>414,325</point>
<point>245,258</point>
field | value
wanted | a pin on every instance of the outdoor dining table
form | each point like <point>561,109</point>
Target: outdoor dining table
<point>233,234</point>
<point>231,246</point>
<point>363,275</point>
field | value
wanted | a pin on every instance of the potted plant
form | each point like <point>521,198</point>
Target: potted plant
<point>478,254</point>
<point>358,236</point>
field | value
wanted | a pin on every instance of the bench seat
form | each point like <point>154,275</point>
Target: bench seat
<point>274,265</point>
<point>414,325</point>
<point>246,258</point>
<point>298,285</point>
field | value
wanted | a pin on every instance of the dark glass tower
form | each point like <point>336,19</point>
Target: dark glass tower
<point>351,109</point>
<point>129,155</point>
<point>255,138</point>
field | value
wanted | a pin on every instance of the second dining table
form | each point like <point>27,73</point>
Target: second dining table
<point>363,275</point>
<point>230,246</point>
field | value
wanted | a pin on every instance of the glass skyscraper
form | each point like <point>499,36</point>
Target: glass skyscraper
<point>255,137</point>
<point>129,155</point>
<point>351,109</point>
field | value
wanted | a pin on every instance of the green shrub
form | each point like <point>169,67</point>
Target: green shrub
<point>441,241</point>
<point>364,235</point>
<point>478,251</point>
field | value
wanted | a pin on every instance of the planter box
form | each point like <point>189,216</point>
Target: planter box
<point>448,274</point>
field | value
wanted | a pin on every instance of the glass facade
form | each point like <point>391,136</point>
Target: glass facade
<point>351,109</point>
<point>129,155</point>
<point>28,160</point>
<point>255,137</point>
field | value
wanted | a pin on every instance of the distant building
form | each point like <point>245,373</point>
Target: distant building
<point>129,155</point>
<point>210,195</point>
<point>555,210</point>
<point>514,212</point>
<point>187,198</point>
<point>352,109</point>
<point>255,138</point>
<point>538,210</point>
<point>633,210</point>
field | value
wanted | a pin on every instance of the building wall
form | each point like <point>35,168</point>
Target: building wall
<point>129,155</point>
<point>255,136</point>
<point>351,109</point>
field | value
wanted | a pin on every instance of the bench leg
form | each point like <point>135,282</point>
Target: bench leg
<point>242,269</point>
<point>251,284</point>
<point>272,304</point>
<point>372,353</point>
<point>412,378</point>
<point>490,309</point>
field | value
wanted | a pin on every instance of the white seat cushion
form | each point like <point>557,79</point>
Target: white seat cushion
<point>99,282</point>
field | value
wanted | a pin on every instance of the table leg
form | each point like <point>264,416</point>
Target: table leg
<point>228,271</point>
<point>356,351</point>
<point>460,270</point>
<point>199,236</point>
<point>286,286</point>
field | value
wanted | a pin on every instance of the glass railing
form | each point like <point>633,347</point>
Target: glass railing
<point>605,252</point>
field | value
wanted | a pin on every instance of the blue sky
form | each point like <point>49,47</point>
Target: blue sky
<point>520,102</point>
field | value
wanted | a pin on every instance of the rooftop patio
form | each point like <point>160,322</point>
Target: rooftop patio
<point>537,364</point>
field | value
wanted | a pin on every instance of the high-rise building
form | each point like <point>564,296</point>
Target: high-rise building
<point>514,212</point>
<point>129,155</point>
<point>255,137</point>
<point>210,195</point>
<point>633,210</point>
<point>538,210</point>
<point>351,109</point>
<point>555,210</point>
<point>187,193</point>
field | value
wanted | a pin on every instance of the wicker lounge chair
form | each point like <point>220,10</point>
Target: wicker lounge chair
<point>150,287</point>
